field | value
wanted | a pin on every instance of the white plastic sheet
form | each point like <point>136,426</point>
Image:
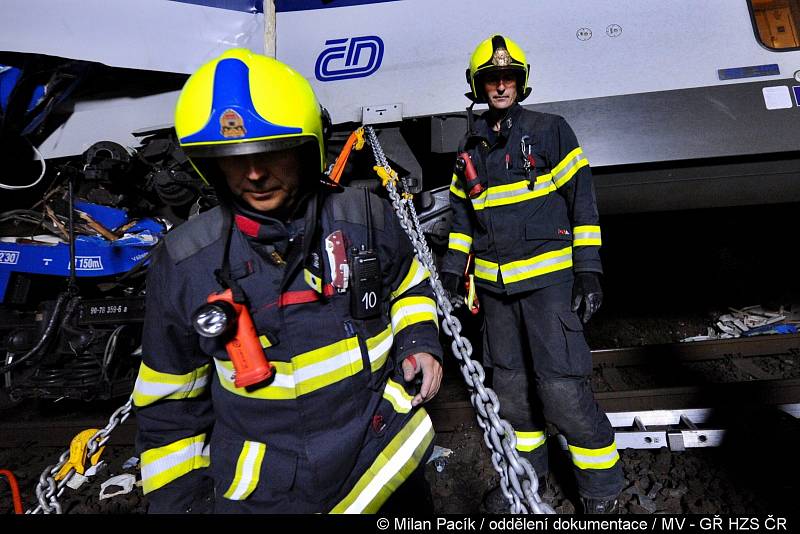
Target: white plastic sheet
<point>157,35</point>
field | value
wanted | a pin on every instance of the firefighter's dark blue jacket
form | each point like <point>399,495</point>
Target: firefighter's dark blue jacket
<point>335,430</point>
<point>530,228</point>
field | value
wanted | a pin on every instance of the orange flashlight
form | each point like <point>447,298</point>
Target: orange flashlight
<point>465,165</point>
<point>220,316</point>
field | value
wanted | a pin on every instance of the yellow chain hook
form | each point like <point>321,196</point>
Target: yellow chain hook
<point>359,144</point>
<point>386,176</point>
<point>78,449</point>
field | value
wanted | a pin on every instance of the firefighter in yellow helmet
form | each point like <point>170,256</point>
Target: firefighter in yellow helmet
<point>285,327</point>
<point>528,214</point>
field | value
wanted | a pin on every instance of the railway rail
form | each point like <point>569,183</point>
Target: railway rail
<point>691,392</point>
<point>690,413</point>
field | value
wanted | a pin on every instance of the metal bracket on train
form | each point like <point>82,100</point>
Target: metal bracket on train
<point>677,430</point>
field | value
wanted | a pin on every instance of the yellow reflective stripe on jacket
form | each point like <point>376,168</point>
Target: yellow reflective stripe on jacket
<point>416,274</point>
<point>379,348</point>
<point>486,270</point>
<point>305,373</point>
<point>523,269</point>
<point>162,465</point>
<point>528,441</point>
<point>282,386</point>
<point>397,396</point>
<point>412,310</point>
<point>459,242</point>
<point>594,458</point>
<point>391,468</point>
<point>503,195</point>
<point>248,471</point>
<point>324,366</point>
<point>537,265</point>
<point>152,386</point>
<point>586,236</point>
<point>455,188</point>
<point>566,169</point>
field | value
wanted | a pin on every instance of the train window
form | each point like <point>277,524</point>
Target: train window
<point>777,22</point>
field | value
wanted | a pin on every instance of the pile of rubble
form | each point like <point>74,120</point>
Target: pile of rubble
<point>752,321</point>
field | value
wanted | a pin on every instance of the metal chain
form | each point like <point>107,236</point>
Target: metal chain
<point>518,480</point>
<point>47,490</point>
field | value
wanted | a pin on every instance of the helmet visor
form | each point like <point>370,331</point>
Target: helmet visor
<point>221,150</point>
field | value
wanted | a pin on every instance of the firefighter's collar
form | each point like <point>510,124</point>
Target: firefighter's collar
<point>507,122</point>
<point>511,117</point>
<point>267,228</point>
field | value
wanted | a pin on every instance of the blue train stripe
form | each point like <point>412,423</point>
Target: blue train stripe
<point>247,6</point>
<point>282,6</point>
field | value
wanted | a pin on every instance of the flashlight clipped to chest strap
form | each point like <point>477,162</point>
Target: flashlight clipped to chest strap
<point>225,314</point>
<point>465,166</point>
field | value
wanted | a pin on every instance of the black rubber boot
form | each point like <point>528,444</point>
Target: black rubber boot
<point>494,502</point>
<point>600,506</point>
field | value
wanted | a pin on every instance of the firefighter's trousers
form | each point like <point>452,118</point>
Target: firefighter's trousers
<point>542,365</point>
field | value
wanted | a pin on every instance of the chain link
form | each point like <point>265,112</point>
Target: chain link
<point>47,490</point>
<point>518,480</point>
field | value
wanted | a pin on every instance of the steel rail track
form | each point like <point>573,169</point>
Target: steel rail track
<point>763,388</point>
<point>661,354</point>
<point>726,399</point>
<point>452,416</point>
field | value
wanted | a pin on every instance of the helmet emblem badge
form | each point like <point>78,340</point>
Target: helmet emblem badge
<point>232,124</point>
<point>501,58</point>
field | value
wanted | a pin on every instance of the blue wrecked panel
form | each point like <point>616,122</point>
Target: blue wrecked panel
<point>9,76</point>
<point>771,329</point>
<point>111,218</point>
<point>95,256</point>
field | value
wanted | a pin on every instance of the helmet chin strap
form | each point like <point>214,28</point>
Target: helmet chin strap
<point>471,119</point>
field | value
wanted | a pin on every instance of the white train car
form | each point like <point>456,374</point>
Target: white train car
<point>677,104</point>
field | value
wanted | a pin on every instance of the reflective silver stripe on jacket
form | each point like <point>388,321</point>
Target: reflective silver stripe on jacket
<point>587,235</point>
<point>503,195</point>
<point>537,265</point>
<point>566,169</point>
<point>459,242</point>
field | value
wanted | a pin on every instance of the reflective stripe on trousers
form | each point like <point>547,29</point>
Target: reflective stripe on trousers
<point>390,469</point>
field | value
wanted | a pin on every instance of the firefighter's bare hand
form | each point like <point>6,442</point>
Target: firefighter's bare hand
<point>431,371</point>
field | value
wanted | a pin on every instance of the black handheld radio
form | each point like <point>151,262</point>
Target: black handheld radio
<point>365,276</point>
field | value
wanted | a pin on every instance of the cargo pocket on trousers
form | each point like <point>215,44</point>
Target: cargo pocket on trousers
<point>258,466</point>
<point>579,357</point>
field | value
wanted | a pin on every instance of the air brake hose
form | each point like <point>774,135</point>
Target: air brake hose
<point>48,333</point>
<point>12,481</point>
